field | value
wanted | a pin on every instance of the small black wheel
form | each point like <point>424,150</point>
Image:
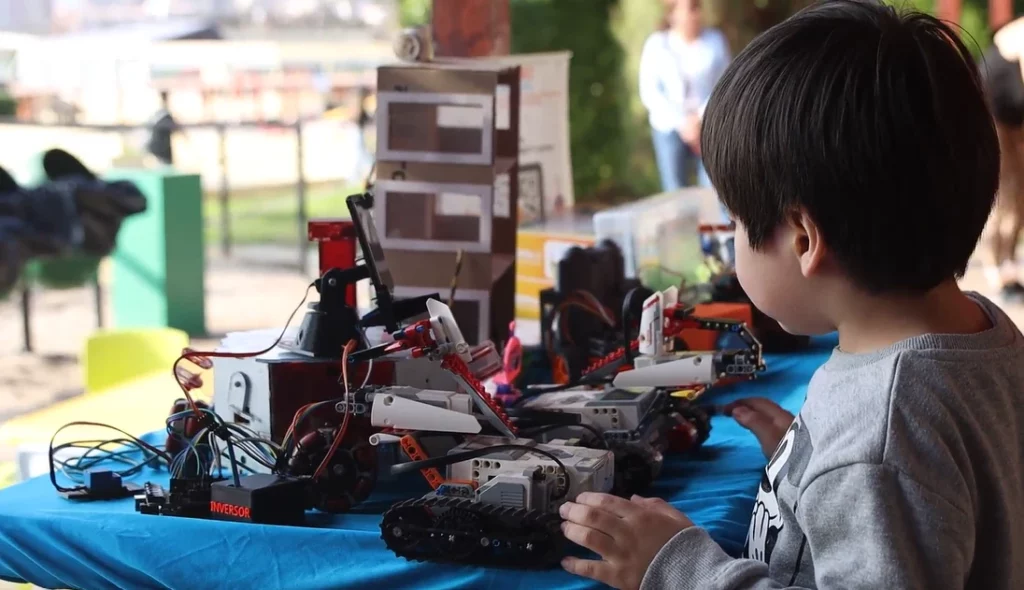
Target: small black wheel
<point>634,472</point>
<point>700,419</point>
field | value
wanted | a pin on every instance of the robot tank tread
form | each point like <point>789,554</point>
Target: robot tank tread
<point>460,530</point>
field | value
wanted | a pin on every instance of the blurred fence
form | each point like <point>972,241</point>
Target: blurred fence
<point>262,181</point>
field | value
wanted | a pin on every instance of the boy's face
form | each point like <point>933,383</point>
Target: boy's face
<point>773,280</point>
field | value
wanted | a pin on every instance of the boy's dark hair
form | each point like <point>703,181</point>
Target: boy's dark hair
<point>871,121</point>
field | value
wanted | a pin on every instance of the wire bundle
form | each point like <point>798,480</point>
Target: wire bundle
<point>128,455</point>
<point>202,452</point>
<point>583,300</point>
<point>128,452</point>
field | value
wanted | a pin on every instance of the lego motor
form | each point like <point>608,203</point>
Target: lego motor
<point>349,474</point>
<point>580,319</point>
<point>637,427</point>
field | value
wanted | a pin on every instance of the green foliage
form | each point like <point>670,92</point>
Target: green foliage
<point>633,22</point>
<point>597,98</point>
<point>973,20</point>
<point>413,13</point>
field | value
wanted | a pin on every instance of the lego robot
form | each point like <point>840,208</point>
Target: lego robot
<point>656,362</point>
<point>639,427</point>
<point>497,502</point>
<point>267,392</point>
<point>640,401</point>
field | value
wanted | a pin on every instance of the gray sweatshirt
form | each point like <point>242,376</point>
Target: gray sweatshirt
<point>904,469</point>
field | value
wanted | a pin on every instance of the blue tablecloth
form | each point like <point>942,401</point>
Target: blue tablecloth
<point>54,543</point>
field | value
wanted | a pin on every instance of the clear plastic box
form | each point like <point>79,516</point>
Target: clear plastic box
<point>659,236</point>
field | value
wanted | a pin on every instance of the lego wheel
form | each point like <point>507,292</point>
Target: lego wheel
<point>348,478</point>
<point>701,421</point>
<point>402,533</point>
<point>634,472</point>
<point>463,529</point>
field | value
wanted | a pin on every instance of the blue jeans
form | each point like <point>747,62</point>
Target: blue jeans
<point>675,159</point>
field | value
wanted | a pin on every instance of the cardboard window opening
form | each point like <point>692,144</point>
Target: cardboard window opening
<point>434,216</point>
<point>471,308</point>
<point>437,128</point>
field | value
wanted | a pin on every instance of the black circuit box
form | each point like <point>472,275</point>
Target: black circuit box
<point>260,498</point>
<point>184,497</point>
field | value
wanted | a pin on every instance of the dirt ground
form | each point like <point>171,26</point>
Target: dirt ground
<point>238,298</point>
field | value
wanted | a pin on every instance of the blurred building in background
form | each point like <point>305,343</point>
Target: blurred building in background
<point>27,16</point>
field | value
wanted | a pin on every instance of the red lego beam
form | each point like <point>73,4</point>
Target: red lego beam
<point>470,28</point>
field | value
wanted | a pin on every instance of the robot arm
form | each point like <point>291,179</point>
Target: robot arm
<point>441,339</point>
<point>391,410</point>
<point>663,319</point>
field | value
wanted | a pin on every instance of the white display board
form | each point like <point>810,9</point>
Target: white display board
<point>545,158</point>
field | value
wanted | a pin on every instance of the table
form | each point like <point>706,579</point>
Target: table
<point>50,542</point>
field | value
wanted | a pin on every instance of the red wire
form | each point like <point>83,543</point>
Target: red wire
<point>188,380</point>
<point>295,421</point>
<point>348,412</point>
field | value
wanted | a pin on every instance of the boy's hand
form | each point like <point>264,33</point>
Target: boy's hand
<point>627,534</point>
<point>765,418</point>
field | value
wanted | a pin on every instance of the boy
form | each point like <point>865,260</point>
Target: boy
<point>854,148</point>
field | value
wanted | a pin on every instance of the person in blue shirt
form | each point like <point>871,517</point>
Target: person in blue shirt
<point>679,67</point>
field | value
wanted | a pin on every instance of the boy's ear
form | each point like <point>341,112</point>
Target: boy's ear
<point>808,244</point>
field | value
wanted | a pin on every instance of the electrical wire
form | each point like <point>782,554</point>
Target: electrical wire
<point>149,454</point>
<point>454,283</point>
<point>579,299</point>
<point>351,344</point>
<point>189,381</point>
<point>300,416</point>
<point>199,445</point>
<point>204,446</point>
<point>73,468</point>
<point>603,311</point>
<point>449,459</point>
<point>369,371</point>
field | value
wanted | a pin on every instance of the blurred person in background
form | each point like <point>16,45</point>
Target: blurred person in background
<point>1004,86</point>
<point>162,128</point>
<point>679,67</point>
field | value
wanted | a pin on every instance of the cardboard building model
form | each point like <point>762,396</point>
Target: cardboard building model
<point>447,166</point>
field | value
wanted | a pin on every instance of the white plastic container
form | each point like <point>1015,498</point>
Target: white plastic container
<point>659,236</point>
